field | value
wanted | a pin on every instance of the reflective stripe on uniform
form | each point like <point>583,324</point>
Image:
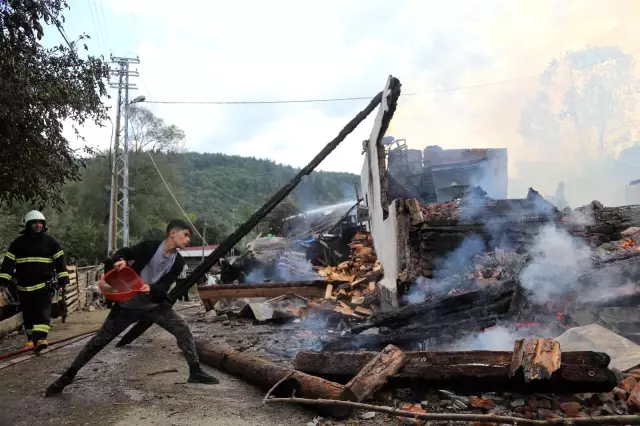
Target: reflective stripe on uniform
<point>63,274</point>
<point>58,254</point>
<point>32,287</point>
<point>10,256</point>
<point>34,260</point>
<point>6,276</point>
<point>43,328</point>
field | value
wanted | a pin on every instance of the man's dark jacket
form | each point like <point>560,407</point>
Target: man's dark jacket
<point>137,258</point>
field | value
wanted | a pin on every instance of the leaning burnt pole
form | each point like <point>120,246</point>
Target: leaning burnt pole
<point>390,95</point>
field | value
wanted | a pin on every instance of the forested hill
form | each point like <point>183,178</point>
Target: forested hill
<point>215,189</point>
<point>220,183</point>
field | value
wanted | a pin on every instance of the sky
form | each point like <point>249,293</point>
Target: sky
<point>448,54</point>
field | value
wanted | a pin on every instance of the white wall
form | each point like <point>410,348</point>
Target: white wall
<point>383,231</point>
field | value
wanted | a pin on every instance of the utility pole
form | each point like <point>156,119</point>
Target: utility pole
<point>119,202</point>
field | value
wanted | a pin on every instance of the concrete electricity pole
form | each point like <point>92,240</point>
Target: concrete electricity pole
<point>119,201</point>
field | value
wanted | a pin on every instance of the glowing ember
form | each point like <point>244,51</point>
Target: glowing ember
<point>526,324</point>
<point>627,243</point>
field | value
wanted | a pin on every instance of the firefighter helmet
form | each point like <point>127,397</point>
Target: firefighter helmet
<point>33,215</point>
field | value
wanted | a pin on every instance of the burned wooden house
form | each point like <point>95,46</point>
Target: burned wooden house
<point>436,175</point>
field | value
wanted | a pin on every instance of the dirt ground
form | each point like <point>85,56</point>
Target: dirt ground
<point>118,387</point>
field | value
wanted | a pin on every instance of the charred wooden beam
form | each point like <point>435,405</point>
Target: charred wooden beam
<point>473,370</point>
<point>446,305</point>
<point>376,372</point>
<point>535,358</point>
<point>405,337</point>
<point>273,289</point>
<point>267,375</point>
<point>350,363</point>
<point>392,87</point>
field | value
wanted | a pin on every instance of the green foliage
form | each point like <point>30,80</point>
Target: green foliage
<point>212,188</point>
<point>39,89</point>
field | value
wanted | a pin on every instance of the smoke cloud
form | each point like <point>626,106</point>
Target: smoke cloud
<point>557,261</point>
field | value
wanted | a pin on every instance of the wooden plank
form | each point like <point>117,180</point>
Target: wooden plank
<point>73,308</point>
<point>537,358</point>
<point>71,294</point>
<point>72,300</point>
<point>328,291</point>
<point>274,289</point>
<point>72,277</point>
<point>376,372</point>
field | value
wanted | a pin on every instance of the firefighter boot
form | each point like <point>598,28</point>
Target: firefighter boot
<point>41,345</point>
<point>29,345</point>
<point>58,386</point>
<point>196,375</point>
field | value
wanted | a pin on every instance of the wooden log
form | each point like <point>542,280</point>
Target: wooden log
<point>375,373</point>
<point>274,289</point>
<point>478,371</point>
<point>266,375</point>
<point>11,324</point>
<point>535,358</point>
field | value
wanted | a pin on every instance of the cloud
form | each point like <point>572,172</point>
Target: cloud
<point>248,50</point>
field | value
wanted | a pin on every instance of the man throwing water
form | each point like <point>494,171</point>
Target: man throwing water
<point>159,264</point>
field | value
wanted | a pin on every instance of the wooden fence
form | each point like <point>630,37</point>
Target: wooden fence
<point>80,278</point>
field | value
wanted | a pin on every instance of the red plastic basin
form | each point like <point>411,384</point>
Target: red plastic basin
<point>125,282</point>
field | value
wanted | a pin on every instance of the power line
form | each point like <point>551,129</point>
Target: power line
<point>175,199</point>
<point>360,98</point>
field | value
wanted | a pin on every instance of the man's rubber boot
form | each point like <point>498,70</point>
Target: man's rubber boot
<point>29,345</point>
<point>58,386</point>
<point>41,345</point>
<point>196,375</point>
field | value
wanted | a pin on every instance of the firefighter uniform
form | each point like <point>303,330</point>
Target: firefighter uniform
<point>36,261</point>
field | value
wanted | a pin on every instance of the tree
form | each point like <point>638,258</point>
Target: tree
<point>39,89</point>
<point>588,96</point>
<point>150,133</point>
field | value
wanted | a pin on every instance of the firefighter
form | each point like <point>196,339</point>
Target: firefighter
<point>36,261</point>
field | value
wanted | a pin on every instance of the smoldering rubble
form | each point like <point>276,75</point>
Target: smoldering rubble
<point>500,305</point>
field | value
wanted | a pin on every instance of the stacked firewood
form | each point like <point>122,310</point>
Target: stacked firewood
<point>352,284</point>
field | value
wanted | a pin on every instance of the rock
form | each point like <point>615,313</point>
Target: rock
<point>370,332</point>
<point>518,403</point>
<point>571,409</point>
<point>606,397</point>
<point>634,400</point>
<point>226,323</point>
<point>628,384</point>
<point>481,402</point>
<point>368,415</point>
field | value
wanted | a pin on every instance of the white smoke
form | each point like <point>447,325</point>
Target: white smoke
<point>557,261</point>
